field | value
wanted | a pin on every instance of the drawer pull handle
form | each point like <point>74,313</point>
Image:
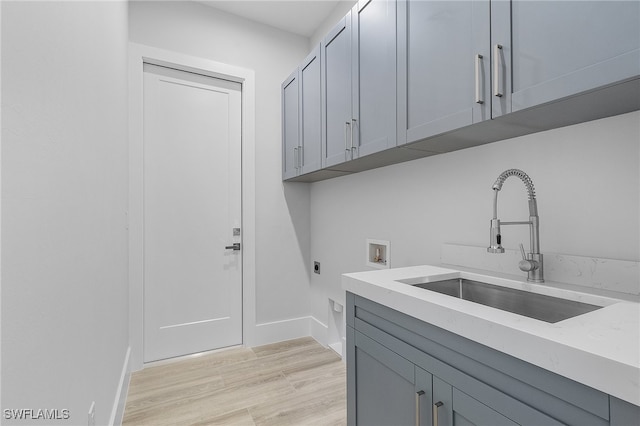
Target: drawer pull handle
<point>435,412</point>
<point>418,395</point>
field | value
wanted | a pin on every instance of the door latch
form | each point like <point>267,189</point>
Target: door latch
<point>235,246</point>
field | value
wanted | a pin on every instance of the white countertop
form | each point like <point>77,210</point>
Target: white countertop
<point>600,349</point>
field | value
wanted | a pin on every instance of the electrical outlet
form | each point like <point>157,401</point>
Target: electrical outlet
<point>316,267</point>
<point>91,421</point>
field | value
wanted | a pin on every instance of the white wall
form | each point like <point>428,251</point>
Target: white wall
<point>0,211</point>
<point>587,182</point>
<point>64,202</point>
<point>341,9</point>
<point>282,213</point>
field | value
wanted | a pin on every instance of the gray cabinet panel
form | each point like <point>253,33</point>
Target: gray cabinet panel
<point>387,386</point>
<point>290,126</point>
<point>443,66</point>
<point>443,401</point>
<point>376,383</point>
<point>310,116</point>
<point>563,48</point>
<point>467,410</point>
<point>374,76</point>
<point>336,94</point>
<point>623,413</point>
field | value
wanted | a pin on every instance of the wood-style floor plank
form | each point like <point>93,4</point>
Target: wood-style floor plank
<point>297,382</point>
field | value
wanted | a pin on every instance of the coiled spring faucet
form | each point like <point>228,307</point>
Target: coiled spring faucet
<point>531,263</point>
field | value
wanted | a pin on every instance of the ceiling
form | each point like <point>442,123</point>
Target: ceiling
<point>301,17</point>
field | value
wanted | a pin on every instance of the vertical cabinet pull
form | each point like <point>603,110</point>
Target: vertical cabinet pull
<point>418,395</point>
<point>347,147</point>
<point>347,125</point>
<point>353,124</point>
<point>435,412</point>
<point>497,66</point>
<point>478,67</point>
<point>295,158</point>
<point>300,156</point>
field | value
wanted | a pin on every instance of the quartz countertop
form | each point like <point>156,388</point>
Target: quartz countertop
<point>600,349</point>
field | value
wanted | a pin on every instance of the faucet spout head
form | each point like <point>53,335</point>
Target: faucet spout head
<point>495,245</point>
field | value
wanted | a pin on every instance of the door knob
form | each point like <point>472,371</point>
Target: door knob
<point>235,246</point>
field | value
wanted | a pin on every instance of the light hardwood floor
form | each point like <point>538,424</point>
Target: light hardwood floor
<point>297,382</point>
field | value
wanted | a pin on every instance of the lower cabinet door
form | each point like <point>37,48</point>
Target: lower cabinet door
<point>389,390</point>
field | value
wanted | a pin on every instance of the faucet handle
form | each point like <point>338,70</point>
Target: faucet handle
<point>525,264</point>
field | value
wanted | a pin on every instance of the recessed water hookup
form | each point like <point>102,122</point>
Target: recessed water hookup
<point>378,254</point>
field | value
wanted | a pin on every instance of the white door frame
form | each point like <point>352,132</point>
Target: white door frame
<point>139,54</point>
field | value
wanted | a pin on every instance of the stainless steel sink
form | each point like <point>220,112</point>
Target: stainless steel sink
<point>545,308</point>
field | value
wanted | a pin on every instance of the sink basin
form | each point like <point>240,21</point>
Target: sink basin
<point>541,307</point>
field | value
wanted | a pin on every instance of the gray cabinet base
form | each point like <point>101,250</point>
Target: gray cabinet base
<point>518,391</point>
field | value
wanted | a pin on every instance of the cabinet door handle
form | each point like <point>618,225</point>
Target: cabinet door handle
<point>300,156</point>
<point>353,124</point>
<point>479,99</point>
<point>497,65</point>
<point>418,395</point>
<point>346,137</point>
<point>347,148</point>
<point>435,412</point>
<point>295,158</point>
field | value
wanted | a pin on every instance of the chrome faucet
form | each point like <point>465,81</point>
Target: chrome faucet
<point>531,263</point>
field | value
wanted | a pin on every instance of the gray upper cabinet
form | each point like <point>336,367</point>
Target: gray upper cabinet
<point>404,79</point>
<point>359,83</point>
<point>443,66</point>
<point>290,126</point>
<point>301,129</point>
<point>337,134</point>
<point>310,118</point>
<point>373,76</point>
<point>465,62</point>
<point>562,48</point>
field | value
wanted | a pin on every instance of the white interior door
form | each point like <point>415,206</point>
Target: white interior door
<point>192,203</point>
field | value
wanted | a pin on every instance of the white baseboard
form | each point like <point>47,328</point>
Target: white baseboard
<point>337,348</point>
<point>278,331</point>
<point>319,331</point>
<point>117,412</point>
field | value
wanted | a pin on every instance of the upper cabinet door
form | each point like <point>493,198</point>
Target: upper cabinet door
<point>562,48</point>
<point>290,126</point>
<point>337,131</point>
<point>310,117</point>
<point>373,76</point>
<point>443,66</point>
